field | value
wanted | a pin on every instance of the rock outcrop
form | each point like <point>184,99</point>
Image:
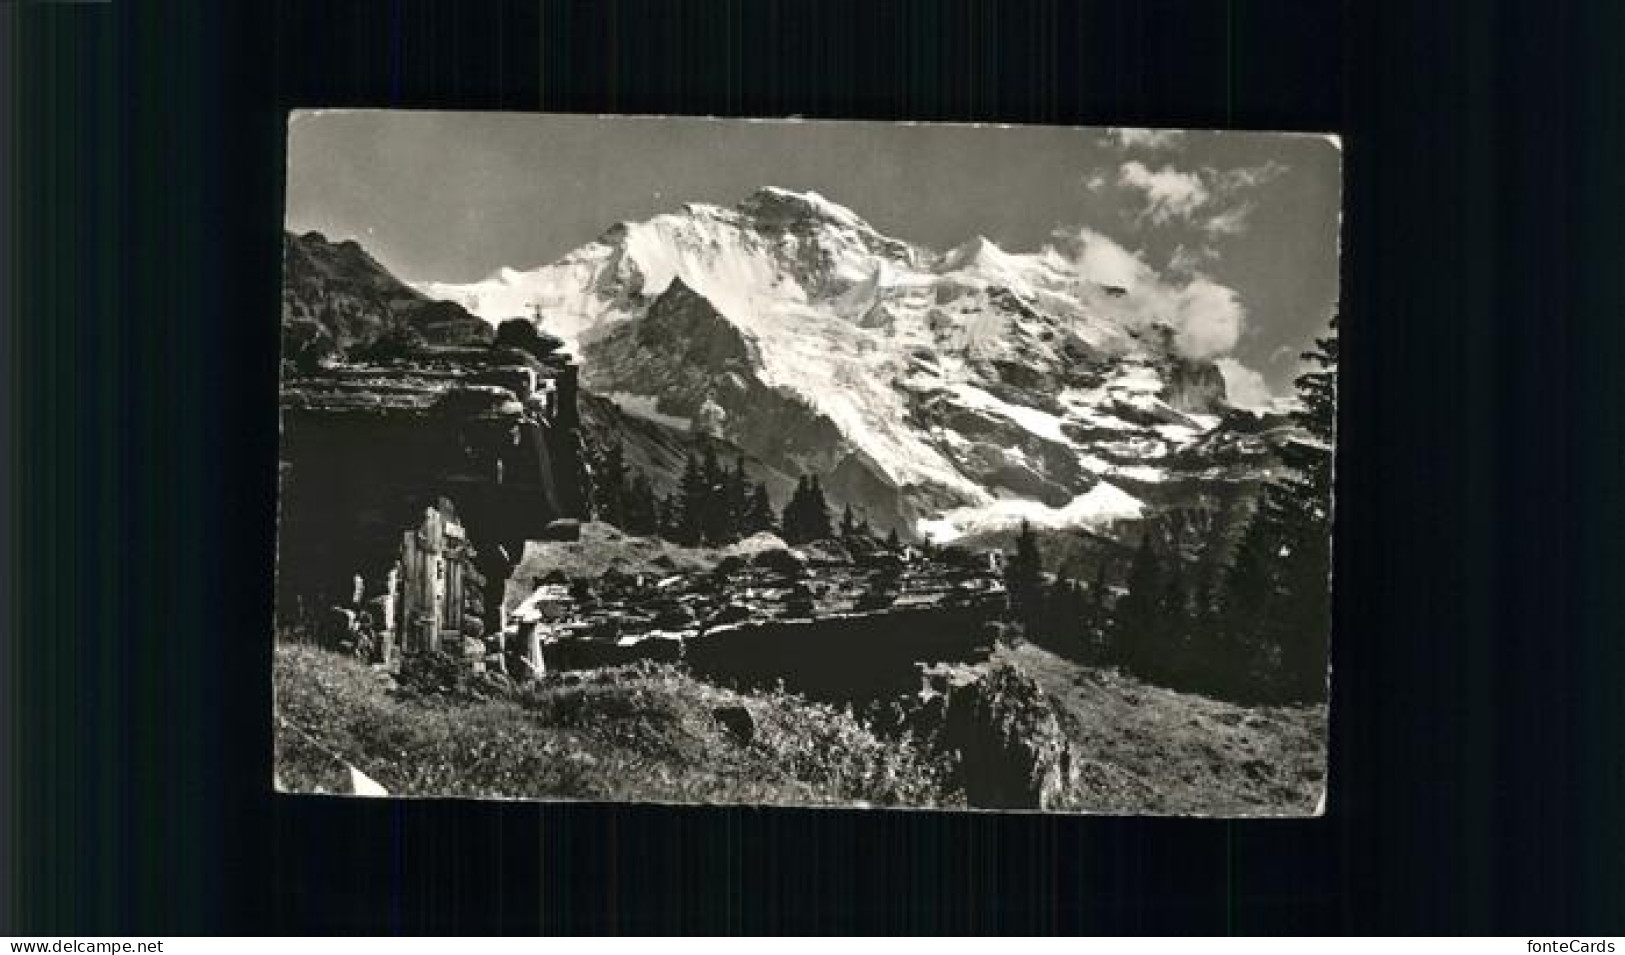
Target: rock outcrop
<point>336,292</point>
<point>1014,753</point>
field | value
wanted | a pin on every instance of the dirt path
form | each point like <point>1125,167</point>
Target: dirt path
<point>1152,749</point>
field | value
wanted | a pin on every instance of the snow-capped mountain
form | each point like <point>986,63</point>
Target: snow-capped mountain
<point>941,393</point>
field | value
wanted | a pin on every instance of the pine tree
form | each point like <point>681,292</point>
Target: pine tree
<point>1135,625</point>
<point>893,542</point>
<point>795,510</point>
<point>669,521</point>
<point>849,523</point>
<point>737,500</point>
<point>1276,613</point>
<point>1169,657</point>
<point>714,518</point>
<point>694,498</point>
<point>1024,579</point>
<point>759,516</point>
<point>1097,613</point>
<point>806,516</point>
<point>1206,651</point>
<point>1305,499</point>
<point>818,521</point>
<point>1064,612</point>
<point>610,483</point>
<point>641,515</point>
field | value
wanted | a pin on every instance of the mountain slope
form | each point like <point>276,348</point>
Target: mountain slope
<point>659,449</point>
<point>940,392</point>
<point>337,289</point>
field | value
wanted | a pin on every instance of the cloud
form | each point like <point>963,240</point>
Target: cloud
<point>1246,388</point>
<point>1188,261</point>
<point>1169,193</point>
<point>1242,178</point>
<point>1214,200</point>
<point>1232,221</point>
<point>1206,318</point>
<point>1128,138</point>
<point>1101,260</point>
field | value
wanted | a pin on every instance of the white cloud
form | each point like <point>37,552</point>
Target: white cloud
<point>1169,193</point>
<point>1207,318</point>
<point>1128,138</point>
<point>1245,387</point>
<point>1099,259</point>
<point>1245,177</point>
<point>1232,221</point>
<point>1188,261</point>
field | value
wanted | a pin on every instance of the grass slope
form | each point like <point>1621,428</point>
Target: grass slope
<point>1151,750</point>
<point>636,733</point>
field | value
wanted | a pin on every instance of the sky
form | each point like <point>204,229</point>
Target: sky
<point>1241,228</point>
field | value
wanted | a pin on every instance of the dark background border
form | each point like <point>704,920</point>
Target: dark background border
<point>1477,767</point>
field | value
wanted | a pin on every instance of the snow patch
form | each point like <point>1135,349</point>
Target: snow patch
<point>1041,423</point>
<point>644,406</point>
<point>1101,504</point>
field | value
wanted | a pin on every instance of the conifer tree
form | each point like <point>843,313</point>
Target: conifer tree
<point>806,516</point>
<point>640,506</point>
<point>818,520</point>
<point>1063,617</point>
<point>1169,659</point>
<point>759,515</point>
<point>1276,614</point>
<point>893,542</point>
<point>662,522</point>
<point>737,500</point>
<point>714,521</point>
<point>1305,506</point>
<point>849,523</point>
<point>794,522</point>
<point>694,498</point>
<point>1134,629</point>
<point>610,483</point>
<point>1097,613</point>
<point>1024,579</point>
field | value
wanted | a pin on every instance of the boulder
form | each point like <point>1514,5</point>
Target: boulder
<point>827,551</point>
<point>756,544</point>
<point>737,722</point>
<point>785,562</point>
<point>1013,752</point>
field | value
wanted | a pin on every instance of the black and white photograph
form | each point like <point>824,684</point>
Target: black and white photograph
<point>806,463</point>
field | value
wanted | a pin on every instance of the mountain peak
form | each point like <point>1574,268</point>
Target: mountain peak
<point>981,254</point>
<point>976,247</point>
<point>773,202</point>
